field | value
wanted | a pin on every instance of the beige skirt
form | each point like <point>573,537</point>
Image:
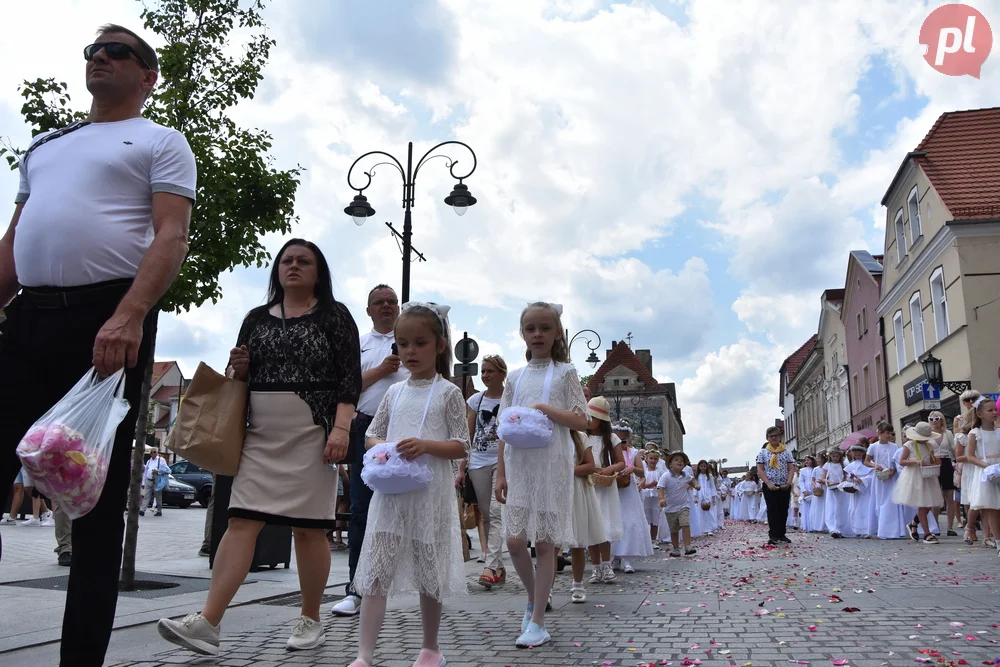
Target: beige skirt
<point>282,478</point>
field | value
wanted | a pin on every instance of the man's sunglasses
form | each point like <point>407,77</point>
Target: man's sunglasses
<point>115,51</point>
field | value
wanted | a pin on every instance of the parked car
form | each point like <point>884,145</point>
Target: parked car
<point>179,494</point>
<point>199,478</point>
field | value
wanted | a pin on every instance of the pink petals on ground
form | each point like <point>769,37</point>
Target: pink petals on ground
<point>840,661</point>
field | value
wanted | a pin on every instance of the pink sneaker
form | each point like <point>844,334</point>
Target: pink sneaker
<point>430,659</point>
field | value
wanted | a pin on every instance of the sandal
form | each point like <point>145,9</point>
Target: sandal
<point>970,538</point>
<point>990,542</point>
<point>337,545</point>
<point>502,576</point>
<point>487,581</point>
<point>914,535</point>
<point>930,539</point>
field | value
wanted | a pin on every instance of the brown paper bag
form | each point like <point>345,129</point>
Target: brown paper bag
<point>211,422</point>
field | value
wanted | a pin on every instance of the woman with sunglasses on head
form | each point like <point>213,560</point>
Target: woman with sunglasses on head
<point>943,445</point>
<point>481,466</point>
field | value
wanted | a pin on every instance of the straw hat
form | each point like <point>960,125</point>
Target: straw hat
<point>599,408</point>
<point>921,432</point>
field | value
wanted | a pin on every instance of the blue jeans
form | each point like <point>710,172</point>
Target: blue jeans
<point>361,498</point>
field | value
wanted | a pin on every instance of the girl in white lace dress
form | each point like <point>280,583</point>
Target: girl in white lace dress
<point>413,543</point>
<point>536,485</point>
<point>984,450</point>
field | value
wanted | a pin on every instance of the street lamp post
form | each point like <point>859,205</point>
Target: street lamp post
<point>460,198</point>
<point>593,360</point>
<point>617,397</point>
<point>934,375</point>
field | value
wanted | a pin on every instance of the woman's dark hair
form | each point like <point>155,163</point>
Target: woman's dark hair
<point>604,430</point>
<point>323,291</point>
<point>697,468</point>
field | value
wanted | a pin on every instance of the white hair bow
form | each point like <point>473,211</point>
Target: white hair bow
<point>438,309</point>
<point>554,306</point>
<point>978,402</point>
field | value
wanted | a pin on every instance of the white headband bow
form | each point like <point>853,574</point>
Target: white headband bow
<point>554,306</point>
<point>978,402</point>
<point>438,309</point>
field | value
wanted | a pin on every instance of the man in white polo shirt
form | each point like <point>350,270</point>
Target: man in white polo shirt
<point>380,369</point>
<point>99,233</point>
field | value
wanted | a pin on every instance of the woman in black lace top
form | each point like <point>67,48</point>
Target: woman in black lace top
<point>301,357</point>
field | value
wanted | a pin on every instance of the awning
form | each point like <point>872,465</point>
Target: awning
<point>853,438</point>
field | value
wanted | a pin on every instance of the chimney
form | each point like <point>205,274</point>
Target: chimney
<point>646,359</point>
<point>607,353</point>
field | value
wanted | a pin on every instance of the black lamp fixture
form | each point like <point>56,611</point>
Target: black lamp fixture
<point>460,198</point>
<point>592,359</point>
<point>935,376</point>
<point>359,209</point>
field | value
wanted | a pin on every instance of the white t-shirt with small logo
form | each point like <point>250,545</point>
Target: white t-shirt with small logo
<point>88,201</point>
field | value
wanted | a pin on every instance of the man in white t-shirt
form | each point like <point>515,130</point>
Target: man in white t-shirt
<point>380,369</point>
<point>99,233</point>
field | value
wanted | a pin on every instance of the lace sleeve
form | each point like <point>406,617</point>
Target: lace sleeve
<point>379,428</point>
<point>572,394</point>
<point>508,392</point>
<point>456,418</point>
<point>342,332</point>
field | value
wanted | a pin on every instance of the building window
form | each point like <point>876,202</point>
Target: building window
<point>913,205</point>
<point>867,388</point>
<point>879,376</point>
<point>617,382</point>
<point>860,326</point>
<point>897,333</point>
<point>625,382</point>
<point>858,405</point>
<point>900,237</point>
<point>917,326</point>
<point>864,319</point>
<point>939,304</point>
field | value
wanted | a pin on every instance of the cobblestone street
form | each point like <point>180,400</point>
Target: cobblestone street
<point>818,601</point>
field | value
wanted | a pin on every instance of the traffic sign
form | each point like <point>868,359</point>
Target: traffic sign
<point>931,393</point>
<point>932,405</point>
<point>470,370</point>
<point>467,349</point>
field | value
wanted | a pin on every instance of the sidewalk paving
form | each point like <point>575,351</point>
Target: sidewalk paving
<point>735,603</point>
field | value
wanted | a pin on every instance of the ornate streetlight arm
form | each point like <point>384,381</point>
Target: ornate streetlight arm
<point>371,171</point>
<point>450,161</point>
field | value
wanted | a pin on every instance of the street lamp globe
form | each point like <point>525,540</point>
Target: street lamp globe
<point>593,360</point>
<point>359,209</point>
<point>932,370</point>
<point>460,198</point>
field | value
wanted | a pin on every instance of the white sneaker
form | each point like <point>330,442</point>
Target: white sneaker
<point>349,606</point>
<point>7,521</point>
<point>46,516</point>
<point>597,575</point>
<point>48,523</point>
<point>32,522</point>
<point>307,633</point>
<point>609,575</point>
<point>193,632</point>
<point>627,567</point>
<point>577,593</point>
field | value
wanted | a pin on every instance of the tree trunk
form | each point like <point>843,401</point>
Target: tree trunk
<point>134,490</point>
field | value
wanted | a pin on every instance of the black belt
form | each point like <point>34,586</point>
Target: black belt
<point>52,298</point>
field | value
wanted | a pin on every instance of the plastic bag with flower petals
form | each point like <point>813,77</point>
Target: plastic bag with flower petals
<point>68,450</point>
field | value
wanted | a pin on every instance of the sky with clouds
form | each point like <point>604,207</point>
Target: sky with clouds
<point>691,172</point>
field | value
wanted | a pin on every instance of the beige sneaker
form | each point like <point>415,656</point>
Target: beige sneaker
<point>193,632</point>
<point>307,633</point>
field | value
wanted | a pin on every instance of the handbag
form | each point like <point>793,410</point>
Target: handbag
<point>211,422</point>
<point>527,428</point>
<point>384,470</point>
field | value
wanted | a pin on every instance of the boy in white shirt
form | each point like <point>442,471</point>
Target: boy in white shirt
<point>673,492</point>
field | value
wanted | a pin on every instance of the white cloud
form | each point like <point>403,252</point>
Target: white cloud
<point>596,127</point>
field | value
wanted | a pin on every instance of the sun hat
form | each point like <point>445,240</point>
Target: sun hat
<point>599,408</point>
<point>921,432</point>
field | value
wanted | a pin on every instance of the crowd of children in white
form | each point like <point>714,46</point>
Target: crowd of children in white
<point>567,477</point>
<point>880,489</point>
